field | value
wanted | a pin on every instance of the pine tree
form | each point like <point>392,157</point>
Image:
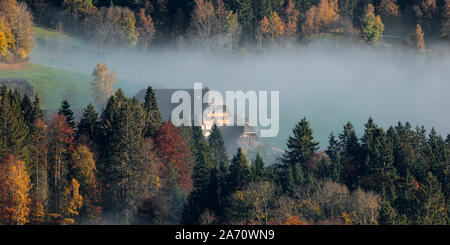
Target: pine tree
<point>335,167</point>
<point>122,165</point>
<point>387,215</point>
<point>203,196</point>
<point>432,202</point>
<point>350,153</point>
<point>14,132</point>
<point>239,175</point>
<point>258,169</point>
<point>217,146</point>
<point>89,124</point>
<point>68,113</point>
<point>153,115</point>
<point>301,146</point>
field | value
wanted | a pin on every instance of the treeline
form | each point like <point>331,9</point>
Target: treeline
<point>126,166</point>
<point>16,31</point>
<point>225,25</point>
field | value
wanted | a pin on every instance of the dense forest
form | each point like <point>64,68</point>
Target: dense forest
<point>122,164</point>
<point>222,25</point>
<point>126,166</point>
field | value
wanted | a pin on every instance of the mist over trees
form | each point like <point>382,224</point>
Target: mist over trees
<point>219,26</point>
<point>126,166</point>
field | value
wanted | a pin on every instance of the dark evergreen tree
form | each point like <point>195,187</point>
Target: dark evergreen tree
<point>122,168</point>
<point>350,156</point>
<point>89,124</point>
<point>335,166</point>
<point>217,147</point>
<point>240,174</point>
<point>14,131</point>
<point>301,145</point>
<point>432,203</point>
<point>205,194</point>
<point>66,111</point>
<point>153,115</point>
<point>258,169</point>
<point>387,214</point>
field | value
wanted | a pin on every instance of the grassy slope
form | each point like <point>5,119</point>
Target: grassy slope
<point>53,85</point>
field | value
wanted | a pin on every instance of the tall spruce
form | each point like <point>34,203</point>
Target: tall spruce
<point>89,124</point>
<point>68,113</point>
<point>239,175</point>
<point>14,132</point>
<point>121,165</point>
<point>258,169</point>
<point>153,115</point>
<point>203,197</point>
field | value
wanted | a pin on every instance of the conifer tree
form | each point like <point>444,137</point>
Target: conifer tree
<point>301,145</point>
<point>153,115</point>
<point>14,132</point>
<point>122,165</point>
<point>68,113</point>
<point>387,215</point>
<point>350,153</point>
<point>335,167</point>
<point>89,124</point>
<point>217,146</point>
<point>432,202</point>
<point>239,175</point>
<point>202,197</point>
<point>258,169</point>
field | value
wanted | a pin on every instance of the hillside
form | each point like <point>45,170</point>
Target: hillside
<point>53,85</point>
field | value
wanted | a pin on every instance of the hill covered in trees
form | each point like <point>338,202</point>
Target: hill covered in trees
<point>126,166</point>
<point>226,25</point>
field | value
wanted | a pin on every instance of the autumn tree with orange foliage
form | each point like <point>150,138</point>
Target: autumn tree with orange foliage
<point>146,29</point>
<point>84,170</point>
<point>173,152</point>
<point>320,17</point>
<point>417,39</point>
<point>291,20</point>
<point>71,203</point>
<point>388,8</point>
<point>262,30</point>
<point>103,82</point>
<point>14,192</point>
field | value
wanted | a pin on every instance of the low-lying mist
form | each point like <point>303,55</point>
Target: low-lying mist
<point>327,85</point>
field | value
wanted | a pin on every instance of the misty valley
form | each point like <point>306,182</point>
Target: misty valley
<point>104,119</point>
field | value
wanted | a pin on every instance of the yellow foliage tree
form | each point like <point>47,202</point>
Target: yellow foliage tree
<point>14,192</point>
<point>7,41</point>
<point>321,16</point>
<point>417,38</point>
<point>276,27</point>
<point>103,83</point>
<point>84,170</point>
<point>72,203</point>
